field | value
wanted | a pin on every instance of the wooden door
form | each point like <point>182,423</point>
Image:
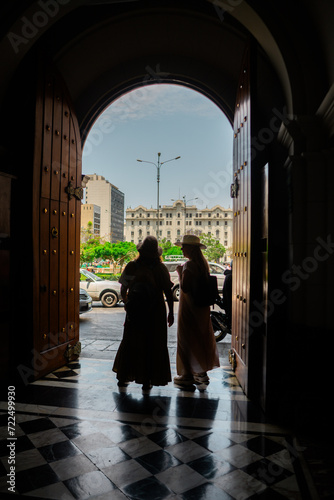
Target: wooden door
<point>241,194</point>
<point>56,226</point>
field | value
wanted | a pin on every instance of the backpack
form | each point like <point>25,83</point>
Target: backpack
<point>205,291</point>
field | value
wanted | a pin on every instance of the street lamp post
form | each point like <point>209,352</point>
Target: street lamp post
<point>158,166</point>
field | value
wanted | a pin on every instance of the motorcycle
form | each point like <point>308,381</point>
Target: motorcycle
<point>219,321</point>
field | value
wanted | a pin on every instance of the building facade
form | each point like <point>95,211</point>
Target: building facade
<point>91,213</point>
<point>179,219</point>
<point>110,199</point>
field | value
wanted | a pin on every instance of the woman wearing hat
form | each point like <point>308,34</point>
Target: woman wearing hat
<point>143,355</point>
<point>196,346</point>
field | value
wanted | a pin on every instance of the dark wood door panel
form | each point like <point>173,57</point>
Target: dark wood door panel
<point>57,161</point>
<point>241,227</point>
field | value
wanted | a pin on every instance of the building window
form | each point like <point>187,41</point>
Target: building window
<point>148,223</point>
<point>178,222</point>
<point>209,223</point>
<point>140,222</point>
<point>226,223</point>
<point>132,215</point>
<point>148,215</point>
<point>209,215</point>
<point>178,232</point>
<point>217,222</point>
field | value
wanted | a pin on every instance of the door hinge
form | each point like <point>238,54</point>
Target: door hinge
<point>72,191</point>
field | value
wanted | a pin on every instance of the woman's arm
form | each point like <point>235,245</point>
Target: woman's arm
<point>170,303</point>
<point>124,292</point>
<point>167,289</point>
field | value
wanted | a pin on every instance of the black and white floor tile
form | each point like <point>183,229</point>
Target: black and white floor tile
<point>78,437</point>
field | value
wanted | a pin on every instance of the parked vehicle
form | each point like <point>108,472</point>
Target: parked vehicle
<point>219,321</point>
<point>85,302</point>
<point>106,291</point>
<point>215,269</point>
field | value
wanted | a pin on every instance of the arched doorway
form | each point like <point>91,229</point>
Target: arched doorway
<point>105,51</point>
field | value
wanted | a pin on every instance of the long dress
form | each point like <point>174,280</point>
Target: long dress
<point>143,355</point>
<point>197,350</point>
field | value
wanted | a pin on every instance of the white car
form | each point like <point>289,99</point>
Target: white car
<point>106,291</point>
<point>215,269</point>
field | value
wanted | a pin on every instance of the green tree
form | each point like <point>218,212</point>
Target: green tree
<point>122,252</point>
<point>86,232</point>
<point>174,250</point>
<point>88,249</point>
<point>168,248</point>
<point>214,249</point>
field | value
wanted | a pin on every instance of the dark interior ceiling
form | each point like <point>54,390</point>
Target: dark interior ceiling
<point>106,48</point>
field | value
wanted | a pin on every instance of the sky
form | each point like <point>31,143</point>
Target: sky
<point>172,120</point>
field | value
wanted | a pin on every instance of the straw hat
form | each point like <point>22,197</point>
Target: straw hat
<point>190,239</point>
<point>149,247</point>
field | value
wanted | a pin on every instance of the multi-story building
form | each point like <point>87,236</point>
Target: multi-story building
<point>178,219</point>
<point>91,213</point>
<point>101,192</point>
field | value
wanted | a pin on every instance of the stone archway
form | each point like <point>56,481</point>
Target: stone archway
<point>104,50</point>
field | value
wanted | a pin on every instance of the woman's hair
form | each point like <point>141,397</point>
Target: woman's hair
<point>197,256</point>
<point>148,260</point>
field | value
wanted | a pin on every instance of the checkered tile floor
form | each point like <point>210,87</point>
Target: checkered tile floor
<point>158,446</point>
<point>66,458</point>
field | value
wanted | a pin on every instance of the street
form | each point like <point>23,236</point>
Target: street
<point>101,332</point>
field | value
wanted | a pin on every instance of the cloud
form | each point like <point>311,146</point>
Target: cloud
<point>154,101</point>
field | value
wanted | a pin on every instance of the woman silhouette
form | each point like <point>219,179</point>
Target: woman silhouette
<point>143,355</point>
<point>196,346</point>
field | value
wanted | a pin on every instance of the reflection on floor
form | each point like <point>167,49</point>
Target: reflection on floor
<point>78,436</point>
